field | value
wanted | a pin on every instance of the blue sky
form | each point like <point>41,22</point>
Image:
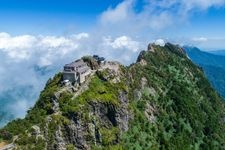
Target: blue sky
<point>50,16</point>
<point>39,36</point>
<point>56,17</point>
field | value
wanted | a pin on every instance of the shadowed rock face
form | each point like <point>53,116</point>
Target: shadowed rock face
<point>151,47</point>
<point>81,133</point>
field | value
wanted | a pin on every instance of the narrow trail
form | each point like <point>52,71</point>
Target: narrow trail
<point>5,146</point>
<point>8,147</point>
<point>2,144</point>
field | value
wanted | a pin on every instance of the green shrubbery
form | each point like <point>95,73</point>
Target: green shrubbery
<point>5,135</point>
<point>109,136</point>
<point>189,110</point>
<point>102,91</point>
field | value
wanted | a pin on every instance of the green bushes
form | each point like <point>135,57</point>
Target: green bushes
<point>101,91</point>
<point>70,147</point>
<point>67,105</point>
<point>4,134</point>
<point>109,136</point>
<point>189,110</point>
<point>17,127</point>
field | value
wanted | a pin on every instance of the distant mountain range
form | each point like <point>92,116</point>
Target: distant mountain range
<point>218,52</point>
<point>213,64</point>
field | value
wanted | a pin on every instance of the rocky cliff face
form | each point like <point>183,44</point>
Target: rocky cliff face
<point>163,101</point>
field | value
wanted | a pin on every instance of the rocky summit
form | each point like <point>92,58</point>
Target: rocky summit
<point>163,101</point>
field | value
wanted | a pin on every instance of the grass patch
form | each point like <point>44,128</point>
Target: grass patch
<point>101,91</point>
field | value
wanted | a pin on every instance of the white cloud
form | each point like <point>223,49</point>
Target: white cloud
<point>199,39</point>
<point>44,61</point>
<point>17,47</point>
<point>54,42</point>
<point>24,41</point>
<point>160,42</point>
<point>46,50</point>
<point>125,19</point>
<point>154,16</point>
<point>18,106</point>
<point>184,6</point>
<point>81,36</point>
<point>160,21</point>
<point>120,13</point>
<point>24,47</point>
<point>202,4</point>
<point>122,42</point>
<point>210,43</point>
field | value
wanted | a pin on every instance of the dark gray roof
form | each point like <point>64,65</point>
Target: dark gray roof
<point>77,63</point>
<point>83,69</point>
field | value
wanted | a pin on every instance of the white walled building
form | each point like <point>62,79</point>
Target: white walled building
<point>76,72</point>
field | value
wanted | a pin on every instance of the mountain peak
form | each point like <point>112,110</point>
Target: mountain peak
<point>162,101</point>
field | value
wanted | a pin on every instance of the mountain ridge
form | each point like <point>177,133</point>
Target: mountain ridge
<point>163,101</point>
<point>218,52</point>
<point>213,66</point>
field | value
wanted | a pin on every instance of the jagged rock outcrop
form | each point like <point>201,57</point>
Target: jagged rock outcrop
<point>60,142</point>
<point>151,47</point>
<point>75,134</point>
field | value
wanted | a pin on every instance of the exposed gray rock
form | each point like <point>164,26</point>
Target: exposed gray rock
<point>92,128</point>
<point>151,48</point>
<point>143,62</point>
<point>104,113</point>
<point>37,132</point>
<point>150,113</point>
<point>144,82</point>
<point>75,134</point>
<point>152,91</point>
<point>122,114</point>
<point>55,105</point>
<point>48,120</point>
<point>110,115</point>
<point>137,94</point>
<point>36,129</point>
<point>60,142</point>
